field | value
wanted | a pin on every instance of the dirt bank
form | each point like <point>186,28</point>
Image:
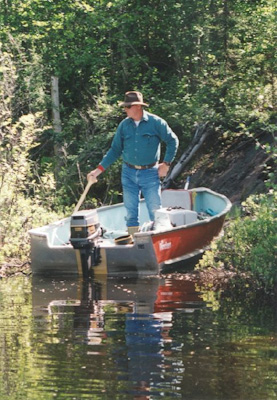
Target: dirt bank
<point>236,169</point>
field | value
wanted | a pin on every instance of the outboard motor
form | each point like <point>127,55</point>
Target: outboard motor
<point>85,232</point>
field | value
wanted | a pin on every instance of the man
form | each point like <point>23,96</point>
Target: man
<point>138,139</point>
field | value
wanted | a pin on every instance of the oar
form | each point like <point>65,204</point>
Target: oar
<point>82,198</point>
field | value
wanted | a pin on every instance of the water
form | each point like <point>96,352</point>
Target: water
<point>151,338</point>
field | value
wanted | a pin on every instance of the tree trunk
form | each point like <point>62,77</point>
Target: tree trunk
<point>57,126</point>
<point>56,104</point>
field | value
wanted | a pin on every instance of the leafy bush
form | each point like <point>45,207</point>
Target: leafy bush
<point>25,213</point>
<point>249,243</point>
<point>24,202</point>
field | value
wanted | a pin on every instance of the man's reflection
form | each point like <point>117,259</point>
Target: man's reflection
<point>132,321</point>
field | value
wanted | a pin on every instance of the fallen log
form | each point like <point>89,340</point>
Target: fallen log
<point>201,133</point>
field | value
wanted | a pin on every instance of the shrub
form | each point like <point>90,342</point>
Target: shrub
<point>249,243</point>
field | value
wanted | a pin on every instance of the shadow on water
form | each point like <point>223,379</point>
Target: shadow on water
<point>184,265</point>
<point>137,338</point>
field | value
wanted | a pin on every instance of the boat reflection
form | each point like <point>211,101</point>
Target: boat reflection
<point>92,304</point>
<point>123,325</point>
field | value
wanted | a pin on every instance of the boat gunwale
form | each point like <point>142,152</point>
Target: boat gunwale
<point>38,233</point>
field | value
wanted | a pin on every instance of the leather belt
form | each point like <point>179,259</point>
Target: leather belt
<point>140,166</point>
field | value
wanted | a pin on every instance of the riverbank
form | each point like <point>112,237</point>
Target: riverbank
<point>212,278</point>
<point>15,267</point>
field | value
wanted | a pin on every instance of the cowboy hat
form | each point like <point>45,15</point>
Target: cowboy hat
<point>133,98</point>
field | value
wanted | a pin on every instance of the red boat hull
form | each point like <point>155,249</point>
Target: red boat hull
<point>186,240</point>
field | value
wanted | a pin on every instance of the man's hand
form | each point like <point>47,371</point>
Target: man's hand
<point>163,170</point>
<point>92,176</point>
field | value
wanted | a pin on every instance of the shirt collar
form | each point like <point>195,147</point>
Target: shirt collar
<point>145,116</point>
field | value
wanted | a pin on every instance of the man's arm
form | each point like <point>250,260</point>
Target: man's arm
<point>111,156</point>
<point>172,142</point>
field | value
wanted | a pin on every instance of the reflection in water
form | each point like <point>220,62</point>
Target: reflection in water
<point>130,339</point>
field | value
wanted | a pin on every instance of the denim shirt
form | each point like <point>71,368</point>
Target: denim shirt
<point>141,145</point>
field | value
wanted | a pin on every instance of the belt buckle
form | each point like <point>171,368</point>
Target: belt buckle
<point>138,166</point>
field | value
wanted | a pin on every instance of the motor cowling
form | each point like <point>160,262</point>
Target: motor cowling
<point>84,235</point>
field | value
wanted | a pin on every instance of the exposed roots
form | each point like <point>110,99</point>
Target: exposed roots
<point>214,278</point>
<point>14,267</point>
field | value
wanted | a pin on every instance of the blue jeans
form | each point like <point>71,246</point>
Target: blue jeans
<point>135,182</point>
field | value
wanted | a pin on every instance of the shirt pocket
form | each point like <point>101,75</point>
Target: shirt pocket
<point>150,139</point>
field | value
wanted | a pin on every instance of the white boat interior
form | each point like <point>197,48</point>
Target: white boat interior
<point>179,207</point>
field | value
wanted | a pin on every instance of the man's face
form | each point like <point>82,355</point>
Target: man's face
<point>134,111</point>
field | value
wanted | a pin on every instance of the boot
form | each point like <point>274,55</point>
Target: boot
<point>132,229</point>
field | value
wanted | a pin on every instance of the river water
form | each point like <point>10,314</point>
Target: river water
<point>150,338</point>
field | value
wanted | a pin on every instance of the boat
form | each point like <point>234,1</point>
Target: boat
<point>96,241</point>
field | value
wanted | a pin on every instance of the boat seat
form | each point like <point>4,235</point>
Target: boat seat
<point>113,234</point>
<point>176,198</point>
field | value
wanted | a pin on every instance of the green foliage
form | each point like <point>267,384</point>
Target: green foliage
<point>15,223</point>
<point>94,128</point>
<point>24,201</point>
<point>249,243</point>
<point>195,62</point>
